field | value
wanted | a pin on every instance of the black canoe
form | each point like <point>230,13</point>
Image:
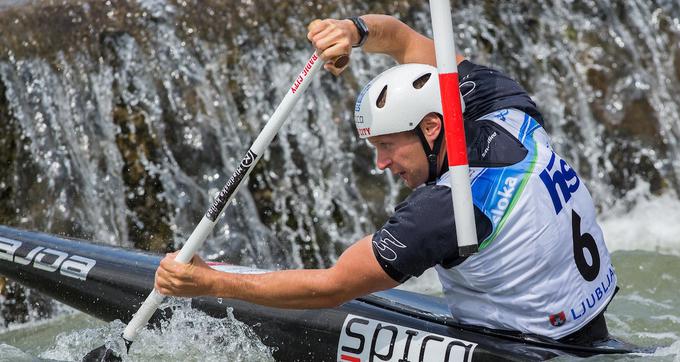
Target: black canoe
<point>111,283</point>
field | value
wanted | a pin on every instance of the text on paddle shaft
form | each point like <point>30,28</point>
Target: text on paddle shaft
<point>365,339</point>
<point>304,73</point>
<point>231,185</point>
<point>50,260</point>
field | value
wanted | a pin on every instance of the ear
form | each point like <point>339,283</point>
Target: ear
<point>431,125</point>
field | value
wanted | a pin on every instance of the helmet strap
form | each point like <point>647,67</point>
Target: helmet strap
<point>431,153</point>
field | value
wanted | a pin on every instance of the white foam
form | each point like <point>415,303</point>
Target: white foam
<point>667,318</point>
<point>189,336</point>
<point>11,353</point>
<point>637,298</point>
<point>428,283</point>
<point>672,351</point>
<point>653,224</point>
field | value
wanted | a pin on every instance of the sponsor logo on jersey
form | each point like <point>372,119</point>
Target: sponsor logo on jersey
<point>46,259</point>
<point>563,177</point>
<point>488,143</point>
<point>503,197</point>
<point>385,243</point>
<point>558,319</point>
<point>603,288</point>
<point>365,339</point>
<point>467,87</point>
<point>501,115</point>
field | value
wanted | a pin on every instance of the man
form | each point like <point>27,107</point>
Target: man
<point>542,268</point>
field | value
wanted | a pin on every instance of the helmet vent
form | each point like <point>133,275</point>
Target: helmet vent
<point>382,98</point>
<point>420,82</point>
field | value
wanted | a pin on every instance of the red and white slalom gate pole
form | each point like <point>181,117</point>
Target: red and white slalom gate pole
<point>461,193</point>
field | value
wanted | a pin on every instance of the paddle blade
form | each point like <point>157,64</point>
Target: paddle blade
<point>102,354</point>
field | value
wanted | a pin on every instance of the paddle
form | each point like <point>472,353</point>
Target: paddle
<point>461,193</point>
<point>205,227</point>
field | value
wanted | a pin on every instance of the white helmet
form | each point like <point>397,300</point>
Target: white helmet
<point>397,100</point>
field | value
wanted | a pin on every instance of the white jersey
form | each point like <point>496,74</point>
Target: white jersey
<point>545,268</point>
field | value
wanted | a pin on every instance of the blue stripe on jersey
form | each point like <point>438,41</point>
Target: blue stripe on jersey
<point>496,190</point>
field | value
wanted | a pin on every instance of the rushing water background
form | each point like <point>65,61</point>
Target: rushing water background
<point>120,120</point>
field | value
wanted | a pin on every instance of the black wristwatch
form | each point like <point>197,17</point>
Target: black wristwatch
<point>362,29</point>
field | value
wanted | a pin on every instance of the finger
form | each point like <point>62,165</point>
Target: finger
<point>333,48</point>
<point>168,263</point>
<point>324,38</point>
<point>314,24</point>
<point>159,284</point>
<point>165,262</point>
<point>333,70</point>
<point>314,28</point>
<point>333,35</point>
<point>336,56</point>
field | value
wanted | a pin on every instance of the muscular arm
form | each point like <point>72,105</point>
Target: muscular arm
<point>356,273</point>
<point>390,36</point>
<point>387,35</point>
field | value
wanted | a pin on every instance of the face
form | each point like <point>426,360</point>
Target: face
<point>403,154</point>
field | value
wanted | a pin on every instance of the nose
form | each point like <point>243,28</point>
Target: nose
<point>383,162</point>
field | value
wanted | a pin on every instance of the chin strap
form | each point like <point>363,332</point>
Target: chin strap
<point>431,153</point>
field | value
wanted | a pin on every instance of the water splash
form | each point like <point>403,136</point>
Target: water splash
<point>189,336</point>
<point>11,353</point>
<point>651,224</point>
<point>672,352</point>
<point>120,134</point>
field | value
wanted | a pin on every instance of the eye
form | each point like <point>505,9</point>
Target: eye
<point>384,145</point>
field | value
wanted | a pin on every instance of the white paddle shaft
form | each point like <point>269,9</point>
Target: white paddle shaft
<point>205,227</point>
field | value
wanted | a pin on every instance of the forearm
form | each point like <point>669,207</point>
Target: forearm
<point>356,273</point>
<point>296,289</point>
<point>388,35</point>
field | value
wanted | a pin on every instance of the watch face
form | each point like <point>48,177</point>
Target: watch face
<point>362,29</point>
<point>362,26</point>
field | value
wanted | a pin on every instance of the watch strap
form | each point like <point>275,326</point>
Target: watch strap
<point>362,29</point>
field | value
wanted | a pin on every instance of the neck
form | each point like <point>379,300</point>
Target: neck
<point>441,160</point>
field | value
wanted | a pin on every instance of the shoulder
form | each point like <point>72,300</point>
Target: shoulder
<point>490,145</point>
<point>468,69</point>
<point>418,235</point>
<point>426,200</point>
<point>486,90</point>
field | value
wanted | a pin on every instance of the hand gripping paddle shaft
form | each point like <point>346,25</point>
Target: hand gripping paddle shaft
<point>205,227</point>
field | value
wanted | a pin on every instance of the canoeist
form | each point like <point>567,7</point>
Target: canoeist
<point>542,266</point>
